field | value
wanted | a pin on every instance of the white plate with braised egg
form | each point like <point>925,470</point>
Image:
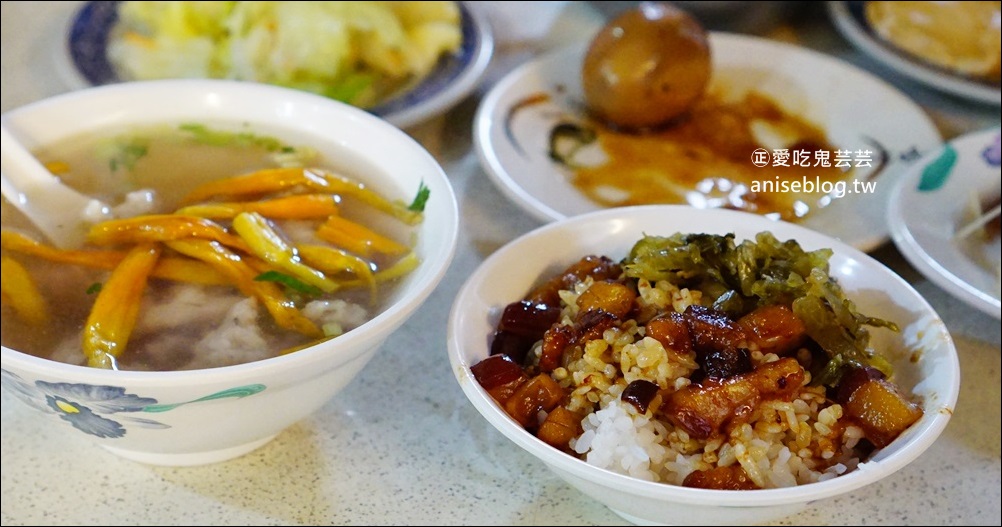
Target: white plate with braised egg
<point>544,136</point>
<point>944,217</point>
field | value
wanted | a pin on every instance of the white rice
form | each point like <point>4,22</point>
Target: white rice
<point>782,444</point>
<point>616,440</point>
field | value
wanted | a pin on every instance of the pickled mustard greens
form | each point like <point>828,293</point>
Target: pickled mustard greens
<point>741,277</point>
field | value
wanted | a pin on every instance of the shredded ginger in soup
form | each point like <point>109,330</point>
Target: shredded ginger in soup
<point>225,247</point>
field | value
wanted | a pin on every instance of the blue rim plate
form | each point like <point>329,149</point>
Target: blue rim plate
<point>454,77</point>
<point>931,202</point>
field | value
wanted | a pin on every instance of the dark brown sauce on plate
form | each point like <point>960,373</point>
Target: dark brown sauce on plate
<point>708,159</point>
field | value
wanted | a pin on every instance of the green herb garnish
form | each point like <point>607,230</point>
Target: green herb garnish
<point>421,199</point>
<point>94,288</point>
<point>127,152</point>
<point>288,281</point>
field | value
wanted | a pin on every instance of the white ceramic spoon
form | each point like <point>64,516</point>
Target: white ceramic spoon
<point>61,213</point>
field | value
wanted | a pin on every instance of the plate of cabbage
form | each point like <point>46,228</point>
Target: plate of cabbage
<point>402,61</point>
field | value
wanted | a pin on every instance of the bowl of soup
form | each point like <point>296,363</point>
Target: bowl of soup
<point>255,248</point>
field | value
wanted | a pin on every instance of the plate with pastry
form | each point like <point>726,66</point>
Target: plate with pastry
<point>955,47</point>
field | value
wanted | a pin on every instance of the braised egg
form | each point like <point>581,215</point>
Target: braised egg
<point>646,66</point>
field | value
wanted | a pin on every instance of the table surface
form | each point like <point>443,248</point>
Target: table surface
<point>433,459</point>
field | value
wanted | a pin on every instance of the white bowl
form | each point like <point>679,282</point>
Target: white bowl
<point>508,274</point>
<point>204,416</point>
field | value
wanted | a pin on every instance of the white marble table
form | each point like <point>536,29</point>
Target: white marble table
<point>402,445</point>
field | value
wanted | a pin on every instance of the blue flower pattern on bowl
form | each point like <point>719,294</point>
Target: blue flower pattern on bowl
<point>89,407</point>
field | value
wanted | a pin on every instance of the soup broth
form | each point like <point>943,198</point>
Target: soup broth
<point>324,284</point>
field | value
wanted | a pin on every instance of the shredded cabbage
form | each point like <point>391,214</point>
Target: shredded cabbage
<point>357,52</point>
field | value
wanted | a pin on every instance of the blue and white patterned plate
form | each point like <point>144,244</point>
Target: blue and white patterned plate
<point>454,77</point>
<point>933,201</point>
